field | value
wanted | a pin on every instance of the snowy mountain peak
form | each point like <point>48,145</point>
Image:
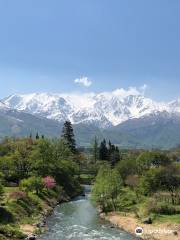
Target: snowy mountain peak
<point>102,109</point>
<point>3,106</point>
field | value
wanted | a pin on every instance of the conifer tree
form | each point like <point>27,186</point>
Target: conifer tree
<point>113,154</point>
<point>68,136</point>
<point>37,135</point>
<point>103,151</point>
<point>95,150</point>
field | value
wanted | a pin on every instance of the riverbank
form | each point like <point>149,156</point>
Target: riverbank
<point>26,214</point>
<point>79,219</point>
<point>40,224</point>
<point>156,231</point>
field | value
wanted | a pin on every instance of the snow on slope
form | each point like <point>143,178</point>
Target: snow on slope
<point>102,109</point>
<point>3,106</point>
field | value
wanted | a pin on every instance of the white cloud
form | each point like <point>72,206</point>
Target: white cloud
<point>123,92</point>
<point>131,91</point>
<point>143,88</point>
<point>84,81</point>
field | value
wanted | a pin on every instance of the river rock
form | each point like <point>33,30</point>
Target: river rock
<point>147,220</point>
<point>32,237</point>
<point>42,224</point>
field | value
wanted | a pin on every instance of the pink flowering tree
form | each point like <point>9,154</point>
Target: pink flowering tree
<point>49,182</point>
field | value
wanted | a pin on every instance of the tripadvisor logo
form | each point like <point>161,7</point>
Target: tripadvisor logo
<point>139,231</point>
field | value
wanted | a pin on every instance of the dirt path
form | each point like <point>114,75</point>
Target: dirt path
<point>28,229</point>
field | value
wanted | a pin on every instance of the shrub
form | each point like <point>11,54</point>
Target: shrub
<point>11,232</point>
<point>35,200</point>
<point>126,199</point>
<point>32,184</point>
<point>6,216</point>
<point>17,195</point>
<point>161,208</point>
<point>1,190</point>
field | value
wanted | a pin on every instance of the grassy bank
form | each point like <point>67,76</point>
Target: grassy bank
<point>25,214</point>
<point>35,175</point>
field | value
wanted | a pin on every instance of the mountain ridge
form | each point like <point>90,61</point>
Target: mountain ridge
<point>129,119</point>
<point>104,110</point>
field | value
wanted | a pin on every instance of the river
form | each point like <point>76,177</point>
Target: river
<point>79,220</point>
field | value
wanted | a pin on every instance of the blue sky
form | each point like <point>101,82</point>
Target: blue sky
<point>46,44</point>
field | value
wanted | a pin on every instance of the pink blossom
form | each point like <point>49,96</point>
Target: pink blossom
<point>49,182</point>
<point>17,195</point>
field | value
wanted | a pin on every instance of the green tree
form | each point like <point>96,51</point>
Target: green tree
<point>32,184</point>
<point>103,151</point>
<point>68,136</point>
<point>107,186</point>
<point>126,167</point>
<point>1,191</point>
<point>95,150</point>
<point>151,159</point>
<point>163,178</point>
<point>149,182</point>
<point>7,168</point>
<point>41,158</point>
<point>37,135</point>
<point>169,180</point>
<point>144,162</point>
<point>20,158</point>
<point>5,147</point>
<point>114,155</point>
<point>159,159</point>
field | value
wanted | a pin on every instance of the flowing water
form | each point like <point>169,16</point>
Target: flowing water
<point>78,220</point>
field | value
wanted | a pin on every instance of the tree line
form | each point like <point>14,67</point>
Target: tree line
<point>105,152</point>
<point>146,182</point>
<point>35,173</point>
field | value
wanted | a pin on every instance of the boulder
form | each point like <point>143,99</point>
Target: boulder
<point>32,237</point>
<point>147,220</point>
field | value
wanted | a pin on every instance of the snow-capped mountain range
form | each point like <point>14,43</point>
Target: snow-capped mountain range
<point>102,109</point>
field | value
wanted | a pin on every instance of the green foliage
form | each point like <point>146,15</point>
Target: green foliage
<point>32,184</point>
<point>95,150</point>
<point>103,151</point>
<point>151,159</point>
<point>37,135</point>
<point>5,147</point>
<point>151,184</point>
<point>143,162</point>
<point>11,232</point>
<point>126,167</point>
<point>161,208</point>
<point>68,136</point>
<point>1,190</point>
<point>15,165</point>
<point>168,218</point>
<point>113,154</point>
<point>126,199</point>
<point>41,157</point>
<point>110,153</point>
<point>164,178</point>
<point>24,163</point>
<point>6,216</point>
<point>107,187</point>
